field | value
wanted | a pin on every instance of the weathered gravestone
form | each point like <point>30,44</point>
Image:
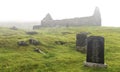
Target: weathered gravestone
<point>95,52</point>
<point>81,42</point>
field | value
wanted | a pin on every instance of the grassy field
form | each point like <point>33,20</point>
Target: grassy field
<point>57,58</point>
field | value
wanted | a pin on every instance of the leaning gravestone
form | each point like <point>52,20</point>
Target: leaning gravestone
<point>81,42</point>
<point>95,52</point>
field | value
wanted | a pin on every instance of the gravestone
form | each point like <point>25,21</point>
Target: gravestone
<point>81,42</point>
<point>95,52</point>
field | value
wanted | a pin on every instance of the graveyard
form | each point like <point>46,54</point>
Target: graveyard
<point>56,50</point>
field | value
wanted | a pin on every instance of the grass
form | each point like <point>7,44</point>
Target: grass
<point>57,58</point>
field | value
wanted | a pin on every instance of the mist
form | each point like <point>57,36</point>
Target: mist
<point>19,25</point>
<point>15,13</point>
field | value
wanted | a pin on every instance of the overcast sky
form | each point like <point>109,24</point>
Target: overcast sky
<point>35,10</point>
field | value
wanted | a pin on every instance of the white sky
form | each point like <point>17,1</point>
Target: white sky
<point>35,10</point>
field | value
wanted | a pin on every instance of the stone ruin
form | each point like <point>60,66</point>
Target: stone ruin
<point>94,20</point>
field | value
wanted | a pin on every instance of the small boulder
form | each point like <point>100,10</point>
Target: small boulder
<point>39,51</point>
<point>60,42</point>
<point>14,28</point>
<point>22,43</point>
<point>34,42</point>
<point>31,33</point>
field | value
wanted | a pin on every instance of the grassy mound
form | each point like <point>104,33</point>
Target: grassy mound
<point>57,57</point>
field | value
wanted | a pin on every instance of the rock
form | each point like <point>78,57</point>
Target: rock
<point>31,33</point>
<point>60,42</point>
<point>22,43</point>
<point>34,42</point>
<point>14,28</point>
<point>39,51</point>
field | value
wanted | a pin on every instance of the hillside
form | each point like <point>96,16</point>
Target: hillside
<point>57,57</point>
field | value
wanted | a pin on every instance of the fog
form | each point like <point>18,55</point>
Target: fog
<point>19,25</point>
<point>26,13</point>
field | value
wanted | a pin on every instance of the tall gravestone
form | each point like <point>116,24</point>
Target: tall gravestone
<point>95,52</point>
<point>81,42</point>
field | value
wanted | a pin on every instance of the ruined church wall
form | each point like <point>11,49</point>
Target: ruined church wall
<point>84,21</point>
<point>94,20</point>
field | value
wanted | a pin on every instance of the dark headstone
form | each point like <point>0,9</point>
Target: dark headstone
<point>22,43</point>
<point>81,42</point>
<point>95,51</point>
